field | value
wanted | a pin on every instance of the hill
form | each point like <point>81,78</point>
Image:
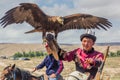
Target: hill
<point>8,49</point>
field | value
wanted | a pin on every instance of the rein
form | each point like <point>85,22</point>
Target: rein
<point>12,75</point>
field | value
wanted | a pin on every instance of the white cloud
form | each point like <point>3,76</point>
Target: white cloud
<point>108,8</point>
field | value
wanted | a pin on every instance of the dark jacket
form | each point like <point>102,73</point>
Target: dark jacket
<point>52,65</point>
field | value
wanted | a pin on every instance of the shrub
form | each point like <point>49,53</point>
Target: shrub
<point>18,54</point>
<point>30,54</point>
<point>112,54</point>
<point>118,53</point>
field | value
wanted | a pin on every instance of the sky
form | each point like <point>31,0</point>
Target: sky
<point>109,9</point>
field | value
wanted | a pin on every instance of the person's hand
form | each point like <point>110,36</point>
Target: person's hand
<point>34,69</point>
<point>89,61</point>
<point>53,75</point>
<point>89,66</point>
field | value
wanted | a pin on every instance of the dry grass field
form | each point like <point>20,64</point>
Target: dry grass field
<point>112,65</point>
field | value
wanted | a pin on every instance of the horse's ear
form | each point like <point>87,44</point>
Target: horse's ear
<point>13,66</point>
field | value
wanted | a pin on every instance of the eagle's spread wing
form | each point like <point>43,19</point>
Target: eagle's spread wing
<point>28,12</point>
<point>85,21</point>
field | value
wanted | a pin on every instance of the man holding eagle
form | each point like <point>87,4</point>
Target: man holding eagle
<point>41,22</point>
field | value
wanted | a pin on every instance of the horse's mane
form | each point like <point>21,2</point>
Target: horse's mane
<point>24,73</point>
<point>21,72</point>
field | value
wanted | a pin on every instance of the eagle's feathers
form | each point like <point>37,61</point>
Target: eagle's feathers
<point>41,22</point>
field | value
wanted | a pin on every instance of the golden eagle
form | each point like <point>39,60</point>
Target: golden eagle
<point>41,22</point>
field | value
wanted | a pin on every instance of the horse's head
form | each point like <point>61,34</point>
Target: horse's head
<point>14,73</point>
<point>7,73</point>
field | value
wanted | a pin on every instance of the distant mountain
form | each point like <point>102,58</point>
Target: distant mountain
<point>68,44</point>
<point>110,43</point>
<point>99,44</point>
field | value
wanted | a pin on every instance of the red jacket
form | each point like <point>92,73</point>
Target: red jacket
<point>79,56</point>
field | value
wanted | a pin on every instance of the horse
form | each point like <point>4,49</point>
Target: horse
<point>14,73</point>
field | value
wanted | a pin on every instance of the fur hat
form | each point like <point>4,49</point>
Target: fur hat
<point>88,36</point>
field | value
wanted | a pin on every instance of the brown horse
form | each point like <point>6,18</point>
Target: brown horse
<point>14,73</point>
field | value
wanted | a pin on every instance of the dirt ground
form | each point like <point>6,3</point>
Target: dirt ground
<point>112,66</point>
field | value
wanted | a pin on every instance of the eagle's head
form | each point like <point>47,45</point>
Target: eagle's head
<point>60,20</point>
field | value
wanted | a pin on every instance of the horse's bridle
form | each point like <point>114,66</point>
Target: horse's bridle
<point>11,75</point>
